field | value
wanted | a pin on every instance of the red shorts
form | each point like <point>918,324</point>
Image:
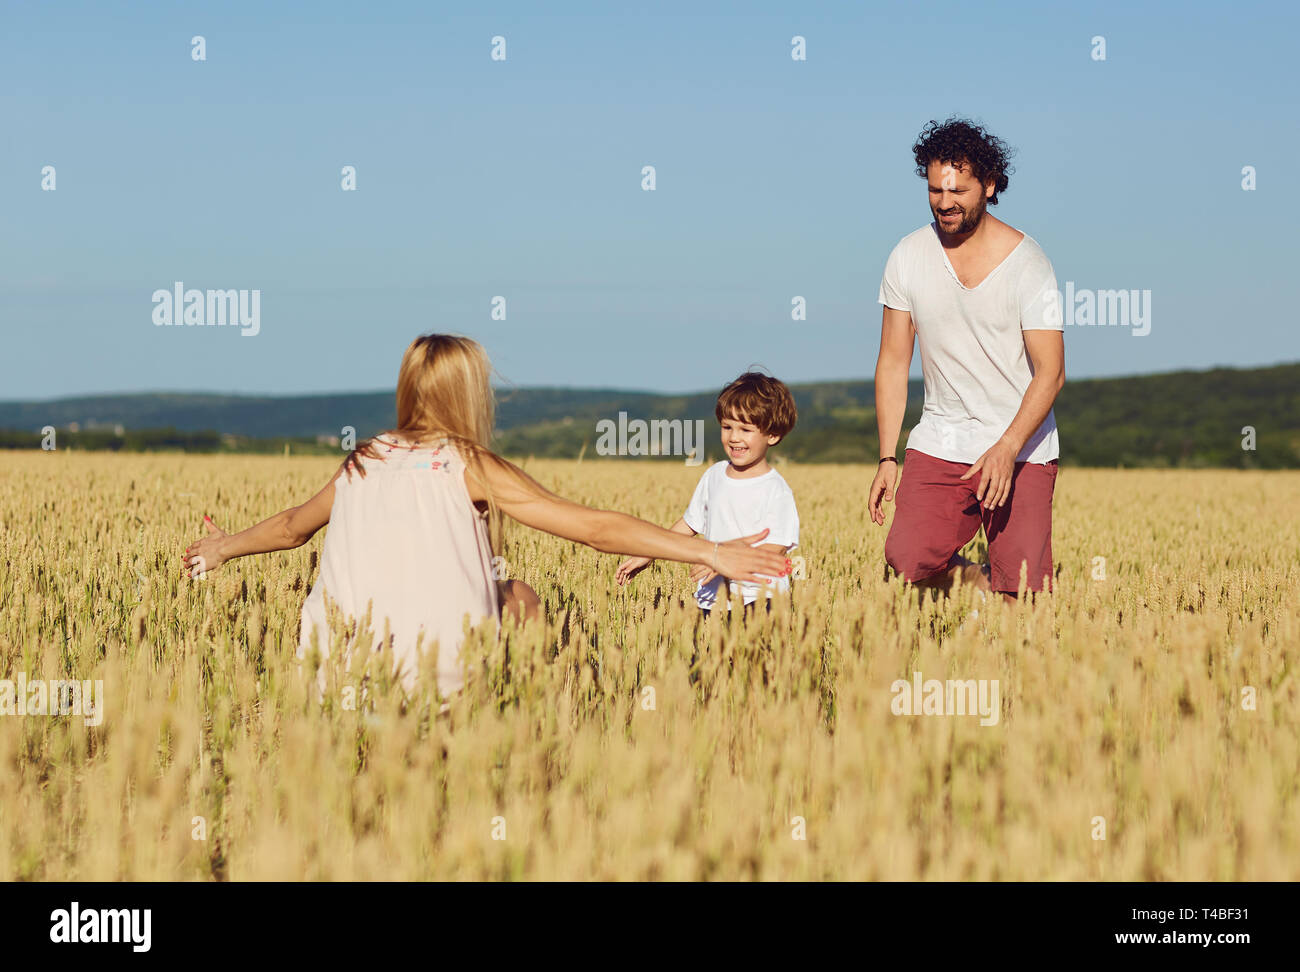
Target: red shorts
<point>936,514</point>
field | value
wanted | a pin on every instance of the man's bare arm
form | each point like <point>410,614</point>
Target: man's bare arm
<point>897,338</point>
<point>1046,351</point>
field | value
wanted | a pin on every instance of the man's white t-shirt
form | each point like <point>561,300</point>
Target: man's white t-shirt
<point>724,508</point>
<point>973,355</point>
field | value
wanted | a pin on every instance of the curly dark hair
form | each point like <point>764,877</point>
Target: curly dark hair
<point>959,141</point>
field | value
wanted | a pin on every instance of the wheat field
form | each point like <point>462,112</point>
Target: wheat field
<point>1147,722</point>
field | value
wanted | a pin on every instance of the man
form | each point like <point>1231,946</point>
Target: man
<point>982,298</point>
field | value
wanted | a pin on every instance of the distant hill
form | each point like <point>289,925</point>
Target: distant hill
<point>836,419</point>
<point>1190,418</point>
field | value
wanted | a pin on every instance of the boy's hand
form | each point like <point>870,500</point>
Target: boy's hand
<point>207,554</point>
<point>701,574</point>
<point>630,568</point>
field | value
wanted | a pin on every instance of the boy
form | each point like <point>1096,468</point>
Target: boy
<point>744,494</point>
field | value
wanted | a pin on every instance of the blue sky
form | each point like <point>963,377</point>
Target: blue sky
<point>522,178</point>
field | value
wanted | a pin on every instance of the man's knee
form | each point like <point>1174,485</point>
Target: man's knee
<point>909,559</point>
<point>894,551</point>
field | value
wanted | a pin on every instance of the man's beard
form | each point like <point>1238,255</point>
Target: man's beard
<point>969,220</point>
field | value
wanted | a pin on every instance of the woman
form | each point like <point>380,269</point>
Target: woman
<point>415,515</point>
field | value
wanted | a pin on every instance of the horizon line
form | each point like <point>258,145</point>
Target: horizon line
<point>599,388</point>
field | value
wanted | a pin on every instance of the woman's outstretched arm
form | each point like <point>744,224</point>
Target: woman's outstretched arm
<point>287,529</point>
<point>523,498</point>
<point>634,565</point>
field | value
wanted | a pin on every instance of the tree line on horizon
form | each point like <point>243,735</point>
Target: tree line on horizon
<point>1235,418</point>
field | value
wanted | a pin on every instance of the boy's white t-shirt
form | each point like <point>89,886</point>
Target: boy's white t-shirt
<point>724,508</point>
<point>973,354</point>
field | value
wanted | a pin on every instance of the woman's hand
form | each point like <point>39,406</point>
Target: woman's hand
<point>521,497</point>
<point>738,560</point>
<point>630,568</point>
<point>207,554</point>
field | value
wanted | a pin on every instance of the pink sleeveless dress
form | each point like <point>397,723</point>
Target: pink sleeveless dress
<point>408,540</point>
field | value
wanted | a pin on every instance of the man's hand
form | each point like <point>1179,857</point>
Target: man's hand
<point>207,554</point>
<point>882,488</point>
<point>998,464</point>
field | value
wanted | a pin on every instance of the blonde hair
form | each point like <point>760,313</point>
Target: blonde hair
<point>444,392</point>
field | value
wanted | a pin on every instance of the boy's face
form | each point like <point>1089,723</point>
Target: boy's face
<point>745,443</point>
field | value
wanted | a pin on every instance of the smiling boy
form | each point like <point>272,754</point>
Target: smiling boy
<point>743,494</point>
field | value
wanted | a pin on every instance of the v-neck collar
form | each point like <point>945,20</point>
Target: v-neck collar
<point>988,276</point>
